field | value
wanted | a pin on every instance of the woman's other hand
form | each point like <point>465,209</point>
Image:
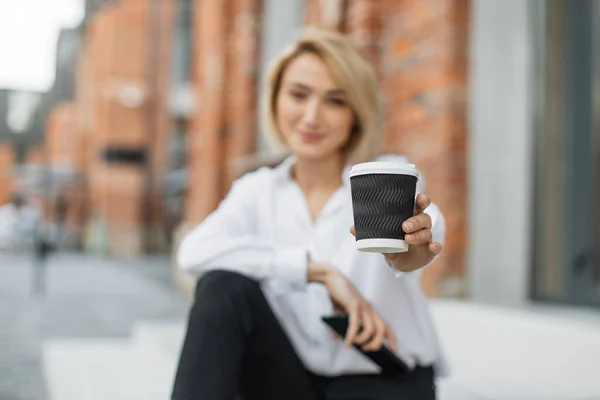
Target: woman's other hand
<point>422,249</point>
<point>366,327</point>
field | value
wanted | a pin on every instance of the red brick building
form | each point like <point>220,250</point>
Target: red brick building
<point>114,132</point>
<point>420,50</point>
<point>132,54</point>
<point>6,163</point>
<point>170,89</point>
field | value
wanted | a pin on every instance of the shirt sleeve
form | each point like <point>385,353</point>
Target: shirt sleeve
<point>227,239</point>
<point>438,223</point>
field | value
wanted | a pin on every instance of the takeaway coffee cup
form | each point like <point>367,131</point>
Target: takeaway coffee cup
<point>383,197</point>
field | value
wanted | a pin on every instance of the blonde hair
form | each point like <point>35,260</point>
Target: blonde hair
<point>352,71</point>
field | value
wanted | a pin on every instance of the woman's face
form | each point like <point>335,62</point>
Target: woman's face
<point>313,114</point>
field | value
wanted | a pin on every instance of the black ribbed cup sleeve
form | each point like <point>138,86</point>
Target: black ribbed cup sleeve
<point>381,203</point>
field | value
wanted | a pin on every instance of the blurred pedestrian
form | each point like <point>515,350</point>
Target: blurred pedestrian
<point>18,224</point>
<point>48,239</point>
<point>277,254</point>
<point>22,231</point>
<point>59,234</point>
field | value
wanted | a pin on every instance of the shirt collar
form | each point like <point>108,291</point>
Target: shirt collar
<point>283,171</point>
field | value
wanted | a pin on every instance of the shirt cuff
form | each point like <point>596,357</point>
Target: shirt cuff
<point>397,273</point>
<point>290,266</point>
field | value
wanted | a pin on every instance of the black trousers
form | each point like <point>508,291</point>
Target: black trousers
<point>235,348</point>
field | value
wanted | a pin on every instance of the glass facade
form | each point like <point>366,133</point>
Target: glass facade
<point>180,78</point>
<point>566,78</point>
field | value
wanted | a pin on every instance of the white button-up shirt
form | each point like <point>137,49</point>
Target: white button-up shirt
<point>264,230</point>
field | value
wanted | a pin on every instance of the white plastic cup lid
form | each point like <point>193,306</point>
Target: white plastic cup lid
<point>383,167</point>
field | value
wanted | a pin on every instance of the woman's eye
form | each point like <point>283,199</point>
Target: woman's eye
<point>337,102</point>
<point>298,95</point>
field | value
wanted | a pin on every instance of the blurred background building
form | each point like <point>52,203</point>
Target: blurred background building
<point>154,112</point>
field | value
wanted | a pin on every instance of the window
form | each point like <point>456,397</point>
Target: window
<point>21,109</point>
<point>567,190</point>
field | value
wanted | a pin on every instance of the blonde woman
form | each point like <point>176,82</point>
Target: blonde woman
<point>278,254</point>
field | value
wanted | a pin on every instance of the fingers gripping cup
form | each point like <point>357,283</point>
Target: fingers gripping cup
<point>383,197</point>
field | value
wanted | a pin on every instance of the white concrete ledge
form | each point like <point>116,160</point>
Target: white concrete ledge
<point>496,354</point>
<point>512,354</point>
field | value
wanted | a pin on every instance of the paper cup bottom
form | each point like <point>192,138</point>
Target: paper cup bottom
<point>382,245</point>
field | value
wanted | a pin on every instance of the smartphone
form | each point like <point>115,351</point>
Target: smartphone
<point>389,362</point>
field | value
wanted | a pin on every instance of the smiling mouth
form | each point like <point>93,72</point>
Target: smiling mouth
<point>310,137</point>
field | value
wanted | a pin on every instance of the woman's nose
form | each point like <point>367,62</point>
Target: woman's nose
<point>311,112</point>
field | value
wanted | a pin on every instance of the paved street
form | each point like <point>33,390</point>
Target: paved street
<point>86,297</point>
<point>112,330</point>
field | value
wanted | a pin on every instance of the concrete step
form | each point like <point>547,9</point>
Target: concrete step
<point>157,345</point>
<point>506,354</point>
<point>91,369</point>
<point>495,353</point>
<point>141,367</point>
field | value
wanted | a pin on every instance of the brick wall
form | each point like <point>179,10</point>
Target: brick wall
<point>364,23</point>
<point>35,155</point>
<point>312,12</point>
<point>63,147</point>
<point>62,142</point>
<point>418,48</point>
<point>226,34</point>
<point>207,127</point>
<point>242,102</point>
<point>121,94</point>
<point>420,52</point>
<point>160,122</point>
<point>6,164</point>
<point>424,67</point>
<point>117,50</point>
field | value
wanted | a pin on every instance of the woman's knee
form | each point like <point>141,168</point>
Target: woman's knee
<point>223,296</point>
<point>225,283</point>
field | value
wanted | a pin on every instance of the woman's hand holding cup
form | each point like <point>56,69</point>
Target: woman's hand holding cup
<point>388,217</point>
<point>422,250</point>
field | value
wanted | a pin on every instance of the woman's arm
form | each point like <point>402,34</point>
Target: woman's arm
<point>227,239</point>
